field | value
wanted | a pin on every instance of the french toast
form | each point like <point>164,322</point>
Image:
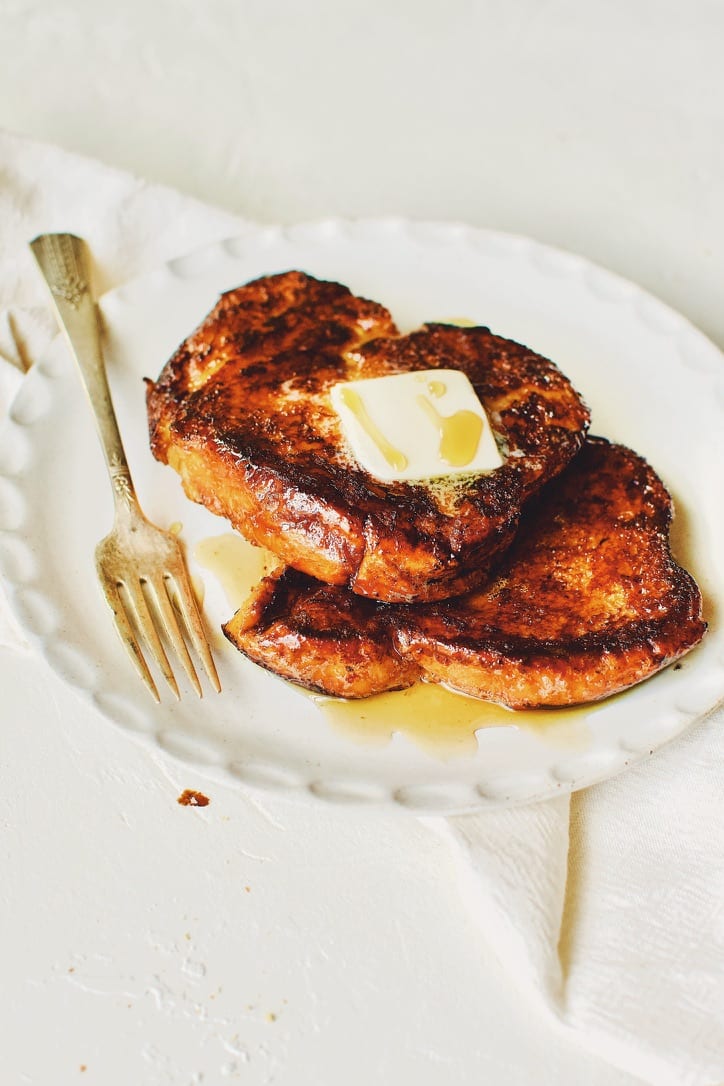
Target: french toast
<point>242,412</point>
<point>587,601</point>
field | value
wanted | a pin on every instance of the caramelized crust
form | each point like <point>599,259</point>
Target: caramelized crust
<point>322,637</point>
<point>242,412</point>
<point>586,602</point>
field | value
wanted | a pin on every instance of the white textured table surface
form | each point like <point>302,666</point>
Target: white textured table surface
<point>252,940</point>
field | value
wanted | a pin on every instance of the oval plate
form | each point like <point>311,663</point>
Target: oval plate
<point>651,380</point>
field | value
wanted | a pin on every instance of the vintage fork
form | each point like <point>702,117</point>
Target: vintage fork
<point>137,560</point>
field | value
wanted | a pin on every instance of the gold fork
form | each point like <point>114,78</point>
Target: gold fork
<point>137,562</point>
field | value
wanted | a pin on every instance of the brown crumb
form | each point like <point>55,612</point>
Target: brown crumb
<point>189,798</point>
<point>271,1017</point>
<point>248,889</point>
<point>83,1067</point>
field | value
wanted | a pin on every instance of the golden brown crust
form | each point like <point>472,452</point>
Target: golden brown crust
<point>242,412</point>
<point>587,601</point>
<point>324,638</point>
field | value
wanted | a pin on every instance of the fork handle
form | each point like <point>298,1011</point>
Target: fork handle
<point>64,262</point>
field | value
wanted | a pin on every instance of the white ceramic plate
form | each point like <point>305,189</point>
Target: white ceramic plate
<point>651,380</point>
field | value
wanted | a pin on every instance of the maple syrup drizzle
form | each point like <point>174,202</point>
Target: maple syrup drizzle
<point>459,433</point>
<point>353,401</point>
<point>236,564</point>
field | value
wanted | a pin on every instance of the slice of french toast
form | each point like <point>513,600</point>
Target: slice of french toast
<point>242,411</point>
<point>587,601</point>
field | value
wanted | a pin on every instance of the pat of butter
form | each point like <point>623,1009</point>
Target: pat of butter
<point>419,425</point>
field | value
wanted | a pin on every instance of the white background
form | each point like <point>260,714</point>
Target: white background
<point>256,941</point>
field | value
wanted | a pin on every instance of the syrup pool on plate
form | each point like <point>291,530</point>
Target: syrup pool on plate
<point>236,564</point>
<point>444,723</point>
<point>439,721</point>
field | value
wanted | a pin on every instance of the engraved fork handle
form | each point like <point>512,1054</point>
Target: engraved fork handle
<point>64,262</point>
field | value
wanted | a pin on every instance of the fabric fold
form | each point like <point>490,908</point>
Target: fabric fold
<point>512,867</point>
<point>611,919</point>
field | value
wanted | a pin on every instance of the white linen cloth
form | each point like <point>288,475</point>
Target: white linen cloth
<point>606,909</point>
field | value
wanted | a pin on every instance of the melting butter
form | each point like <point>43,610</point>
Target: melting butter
<point>354,402</point>
<point>386,423</point>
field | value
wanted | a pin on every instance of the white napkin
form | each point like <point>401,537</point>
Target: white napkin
<point>608,910</point>
<point>611,913</point>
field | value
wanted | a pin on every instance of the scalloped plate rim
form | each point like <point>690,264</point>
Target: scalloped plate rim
<point>549,260</point>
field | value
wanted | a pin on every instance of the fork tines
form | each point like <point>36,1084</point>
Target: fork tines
<point>147,603</point>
